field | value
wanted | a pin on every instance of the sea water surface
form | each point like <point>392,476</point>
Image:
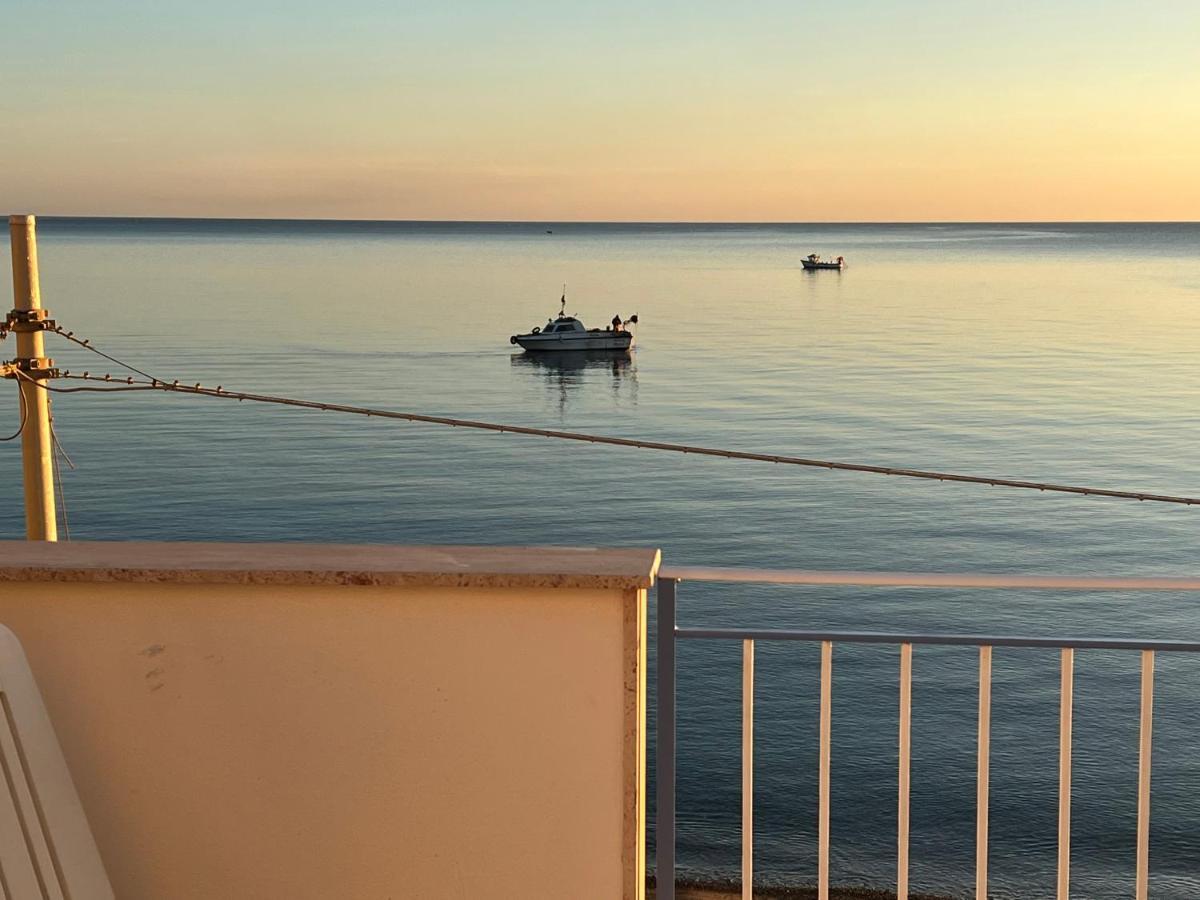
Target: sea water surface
<point>1064,353</point>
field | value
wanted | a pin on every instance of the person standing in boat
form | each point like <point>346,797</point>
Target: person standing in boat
<point>616,322</point>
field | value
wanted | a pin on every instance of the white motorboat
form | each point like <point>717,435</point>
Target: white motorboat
<point>568,333</point>
<point>813,261</point>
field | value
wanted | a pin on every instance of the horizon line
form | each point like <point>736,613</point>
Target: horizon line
<point>322,219</point>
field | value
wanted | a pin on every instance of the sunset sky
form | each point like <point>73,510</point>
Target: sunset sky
<point>767,111</point>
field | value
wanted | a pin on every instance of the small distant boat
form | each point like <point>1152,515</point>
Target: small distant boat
<point>813,261</point>
<point>568,333</point>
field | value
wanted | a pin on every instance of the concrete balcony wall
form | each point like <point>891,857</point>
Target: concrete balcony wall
<point>329,721</point>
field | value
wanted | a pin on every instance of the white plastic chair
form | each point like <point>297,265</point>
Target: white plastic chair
<point>47,851</point>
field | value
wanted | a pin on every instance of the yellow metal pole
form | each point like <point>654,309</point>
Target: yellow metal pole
<point>36,446</point>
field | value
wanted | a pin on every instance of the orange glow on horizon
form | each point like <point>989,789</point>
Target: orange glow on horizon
<point>903,113</point>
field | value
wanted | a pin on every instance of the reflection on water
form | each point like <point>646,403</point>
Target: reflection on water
<point>571,362</point>
<point>569,372</point>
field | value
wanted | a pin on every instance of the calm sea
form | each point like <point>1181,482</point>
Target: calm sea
<point>1054,352</point>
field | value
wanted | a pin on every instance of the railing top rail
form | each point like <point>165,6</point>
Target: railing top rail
<point>930,579</point>
<point>967,640</point>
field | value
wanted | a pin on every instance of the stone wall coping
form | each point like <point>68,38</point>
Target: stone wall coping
<point>327,564</point>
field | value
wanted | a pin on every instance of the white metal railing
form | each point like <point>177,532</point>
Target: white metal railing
<point>669,633</point>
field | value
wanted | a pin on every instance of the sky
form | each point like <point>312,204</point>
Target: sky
<point>864,110</point>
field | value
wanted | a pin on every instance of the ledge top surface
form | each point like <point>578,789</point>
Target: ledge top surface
<point>327,564</point>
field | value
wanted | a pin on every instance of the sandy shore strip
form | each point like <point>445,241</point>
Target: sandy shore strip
<point>732,890</point>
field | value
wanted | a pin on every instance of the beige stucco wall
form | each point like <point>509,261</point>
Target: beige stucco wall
<point>319,741</point>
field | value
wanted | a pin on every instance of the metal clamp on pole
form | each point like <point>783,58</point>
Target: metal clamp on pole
<point>23,321</point>
<point>32,366</point>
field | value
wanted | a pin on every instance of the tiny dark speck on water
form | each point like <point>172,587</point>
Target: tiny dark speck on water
<point>154,650</point>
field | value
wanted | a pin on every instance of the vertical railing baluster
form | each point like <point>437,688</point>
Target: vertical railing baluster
<point>981,775</point>
<point>823,778</point>
<point>1142,882</point>
<point>664,832</point>
<point>905,769</point>
<point>1065,699</point>
<point>747,770</point>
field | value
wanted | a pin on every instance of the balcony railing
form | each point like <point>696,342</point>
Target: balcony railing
<point>669,633</point>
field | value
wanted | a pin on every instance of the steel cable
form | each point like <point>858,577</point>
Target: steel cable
<point>833,465</point>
